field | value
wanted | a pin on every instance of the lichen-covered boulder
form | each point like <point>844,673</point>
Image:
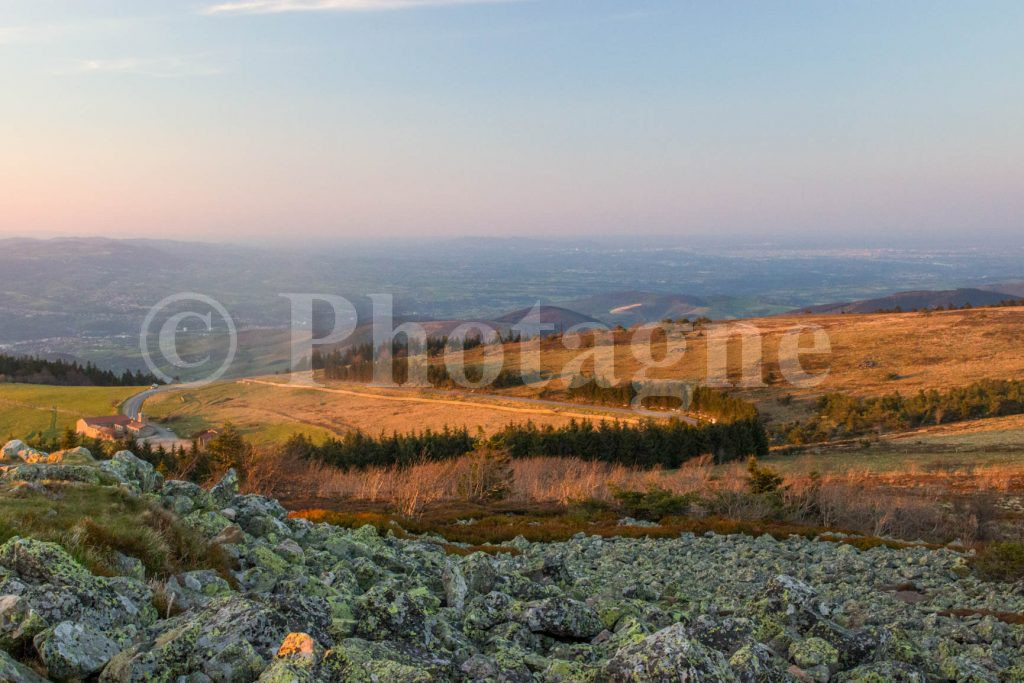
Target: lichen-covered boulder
<point>231,639</point>
<point>964,668</point>
<point>72,456</point>
<point>133,471</point>
<point>297,661</point>
<point>207,522</point>
<point>562,618</point>
<point>793,601</point>
<point>479,668</point>
<point>41,562</point>
<point>12,671</point>
<point>854,647</point>
<point>126,565</point>
<point>484,612</point>
<point>182,497</point>
<point>480,574</point>
<point>194,589</point>
<point>563,671</point>
<point>815,657</point>
<point>261,517</point>
<point>387,612</point>
<point>11,449</point>
<point>813,652</point>
<point>291,551</point>
<point>305,612</point>
<point>726,635</point>
<point>455,587</point>
<point>50,588</point>
<point>668,656</point>
<point>45,472</point>
<point>883,672</point>
<point>756,663</point>
<point>20,621</point>
<point>361,661</point>
<point>73,651</point>
<point>225,490</point>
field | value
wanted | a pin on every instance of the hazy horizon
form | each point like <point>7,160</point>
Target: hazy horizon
<point>871,124</point>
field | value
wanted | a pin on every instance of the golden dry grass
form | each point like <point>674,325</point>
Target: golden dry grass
<point>918,504</point>
<point>560,481</point>
<point>269,414</point>
<point>871,354</point>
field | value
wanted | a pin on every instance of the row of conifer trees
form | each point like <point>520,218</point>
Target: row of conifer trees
<point>646,445</point>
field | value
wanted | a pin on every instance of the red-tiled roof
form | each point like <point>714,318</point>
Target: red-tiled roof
<point>108,421</point>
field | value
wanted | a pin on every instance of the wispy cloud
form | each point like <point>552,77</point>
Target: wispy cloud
<point>12,35</point>
<point>280,6</point>
<point>156,67</point>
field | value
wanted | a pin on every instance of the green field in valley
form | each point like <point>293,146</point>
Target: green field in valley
<point>26,410</point>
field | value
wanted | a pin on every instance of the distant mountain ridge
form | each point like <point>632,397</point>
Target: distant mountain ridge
<point>1015,288</point>
<point>916,300</point>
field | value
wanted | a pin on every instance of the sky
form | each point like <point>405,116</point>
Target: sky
<point>283,120</point>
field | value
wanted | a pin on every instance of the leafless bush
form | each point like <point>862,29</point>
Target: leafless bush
<point>875,510</point>
<point>866,502</point>
<point>744,506</point>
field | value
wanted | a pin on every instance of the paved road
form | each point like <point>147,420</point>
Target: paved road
<point>161,435</point>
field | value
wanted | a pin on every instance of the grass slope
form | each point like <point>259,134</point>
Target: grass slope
<point>26,409</point>
<point>872,355</point>
<point>94,523</point>
<point>268,414</point>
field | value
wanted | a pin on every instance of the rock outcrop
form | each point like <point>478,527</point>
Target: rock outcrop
<point>314,602</point>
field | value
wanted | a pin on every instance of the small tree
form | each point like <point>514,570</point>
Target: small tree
<point>762,479</point>
<point>228,450</point>
<point>69,439</point>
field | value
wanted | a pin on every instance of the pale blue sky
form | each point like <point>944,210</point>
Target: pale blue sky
<point>541,117</point>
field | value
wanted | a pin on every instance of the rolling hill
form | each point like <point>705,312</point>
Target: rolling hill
<point>560,318</point>
<point>633,307</point>
<point>913,301</point>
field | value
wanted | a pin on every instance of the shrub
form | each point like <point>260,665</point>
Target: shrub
<point>741,505</point>
<point>588,508</point>
<point>1001,561</point>
<point>653,504</point>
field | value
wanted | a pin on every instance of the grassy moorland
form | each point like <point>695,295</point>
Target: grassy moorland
<point>26,409</point>
<point>871,355</point>
<point>269,414</point>
<point>961,480</point>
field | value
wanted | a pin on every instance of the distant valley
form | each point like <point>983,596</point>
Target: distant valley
<point>84,299</point>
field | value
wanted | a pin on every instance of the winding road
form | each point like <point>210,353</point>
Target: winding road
<point>132,406</point>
